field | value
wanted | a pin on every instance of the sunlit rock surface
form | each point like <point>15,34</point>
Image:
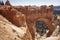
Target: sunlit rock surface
<point>8,31</point>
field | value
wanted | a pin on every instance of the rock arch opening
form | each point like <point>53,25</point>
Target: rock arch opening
<point>41,27</point>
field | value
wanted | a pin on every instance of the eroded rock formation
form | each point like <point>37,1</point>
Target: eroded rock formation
<point>34,14</point>
<point>22,16</point>
<point>8,31</point>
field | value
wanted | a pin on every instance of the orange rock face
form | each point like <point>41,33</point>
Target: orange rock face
<point>14,16</point>
<point>43,14</point>
<point>32,14</point>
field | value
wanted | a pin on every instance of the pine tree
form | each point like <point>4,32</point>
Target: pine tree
<point>7,3</point>
<point>2,3</point>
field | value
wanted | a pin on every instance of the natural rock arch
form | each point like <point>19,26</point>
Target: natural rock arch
<point>49,23</point>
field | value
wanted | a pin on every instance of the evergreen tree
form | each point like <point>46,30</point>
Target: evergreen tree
<point>7,3</point>
<point>2,3</point>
